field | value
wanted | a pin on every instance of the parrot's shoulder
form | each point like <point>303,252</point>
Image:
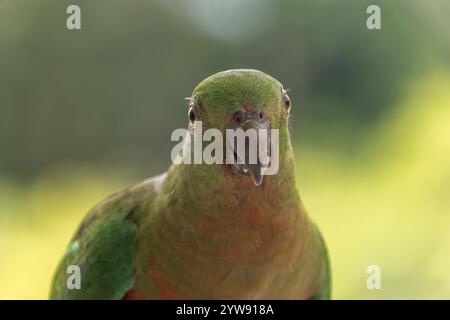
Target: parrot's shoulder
<point>102,249</point>
<point>324,292</point>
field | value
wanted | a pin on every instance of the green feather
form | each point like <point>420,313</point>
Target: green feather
<point>103,250</point>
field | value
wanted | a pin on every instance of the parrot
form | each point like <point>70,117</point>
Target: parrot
<point>206,231</point>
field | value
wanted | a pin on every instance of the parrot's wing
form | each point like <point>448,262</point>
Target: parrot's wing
<point>101,252</point>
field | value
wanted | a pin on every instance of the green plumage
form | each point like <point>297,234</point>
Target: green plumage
<point>103,249</point>
<point>204,231</point>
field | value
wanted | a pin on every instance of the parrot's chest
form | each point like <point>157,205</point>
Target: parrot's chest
<point>211,259</point>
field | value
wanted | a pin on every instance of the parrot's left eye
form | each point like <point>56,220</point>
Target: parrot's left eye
<point>287,103</point>
<point>191,114</point>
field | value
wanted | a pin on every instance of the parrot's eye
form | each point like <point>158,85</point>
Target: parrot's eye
<point>287,103</point>
<point>191,114</point>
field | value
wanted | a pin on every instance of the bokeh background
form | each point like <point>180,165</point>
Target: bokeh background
<point>85,113</point>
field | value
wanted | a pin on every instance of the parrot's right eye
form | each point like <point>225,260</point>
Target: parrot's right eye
<point>191,114</point>
<point>287,103</point>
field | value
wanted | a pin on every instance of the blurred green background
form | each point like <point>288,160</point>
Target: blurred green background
<point>85,113</point>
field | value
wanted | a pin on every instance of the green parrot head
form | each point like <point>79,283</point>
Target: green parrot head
<point>242,98</point>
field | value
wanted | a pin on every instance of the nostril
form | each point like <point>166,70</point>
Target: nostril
<point>238,117</point>
<point>261,115</point>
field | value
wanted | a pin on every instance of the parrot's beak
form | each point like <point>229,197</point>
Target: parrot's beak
<point>245,167</point>
<point>255,171</point>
